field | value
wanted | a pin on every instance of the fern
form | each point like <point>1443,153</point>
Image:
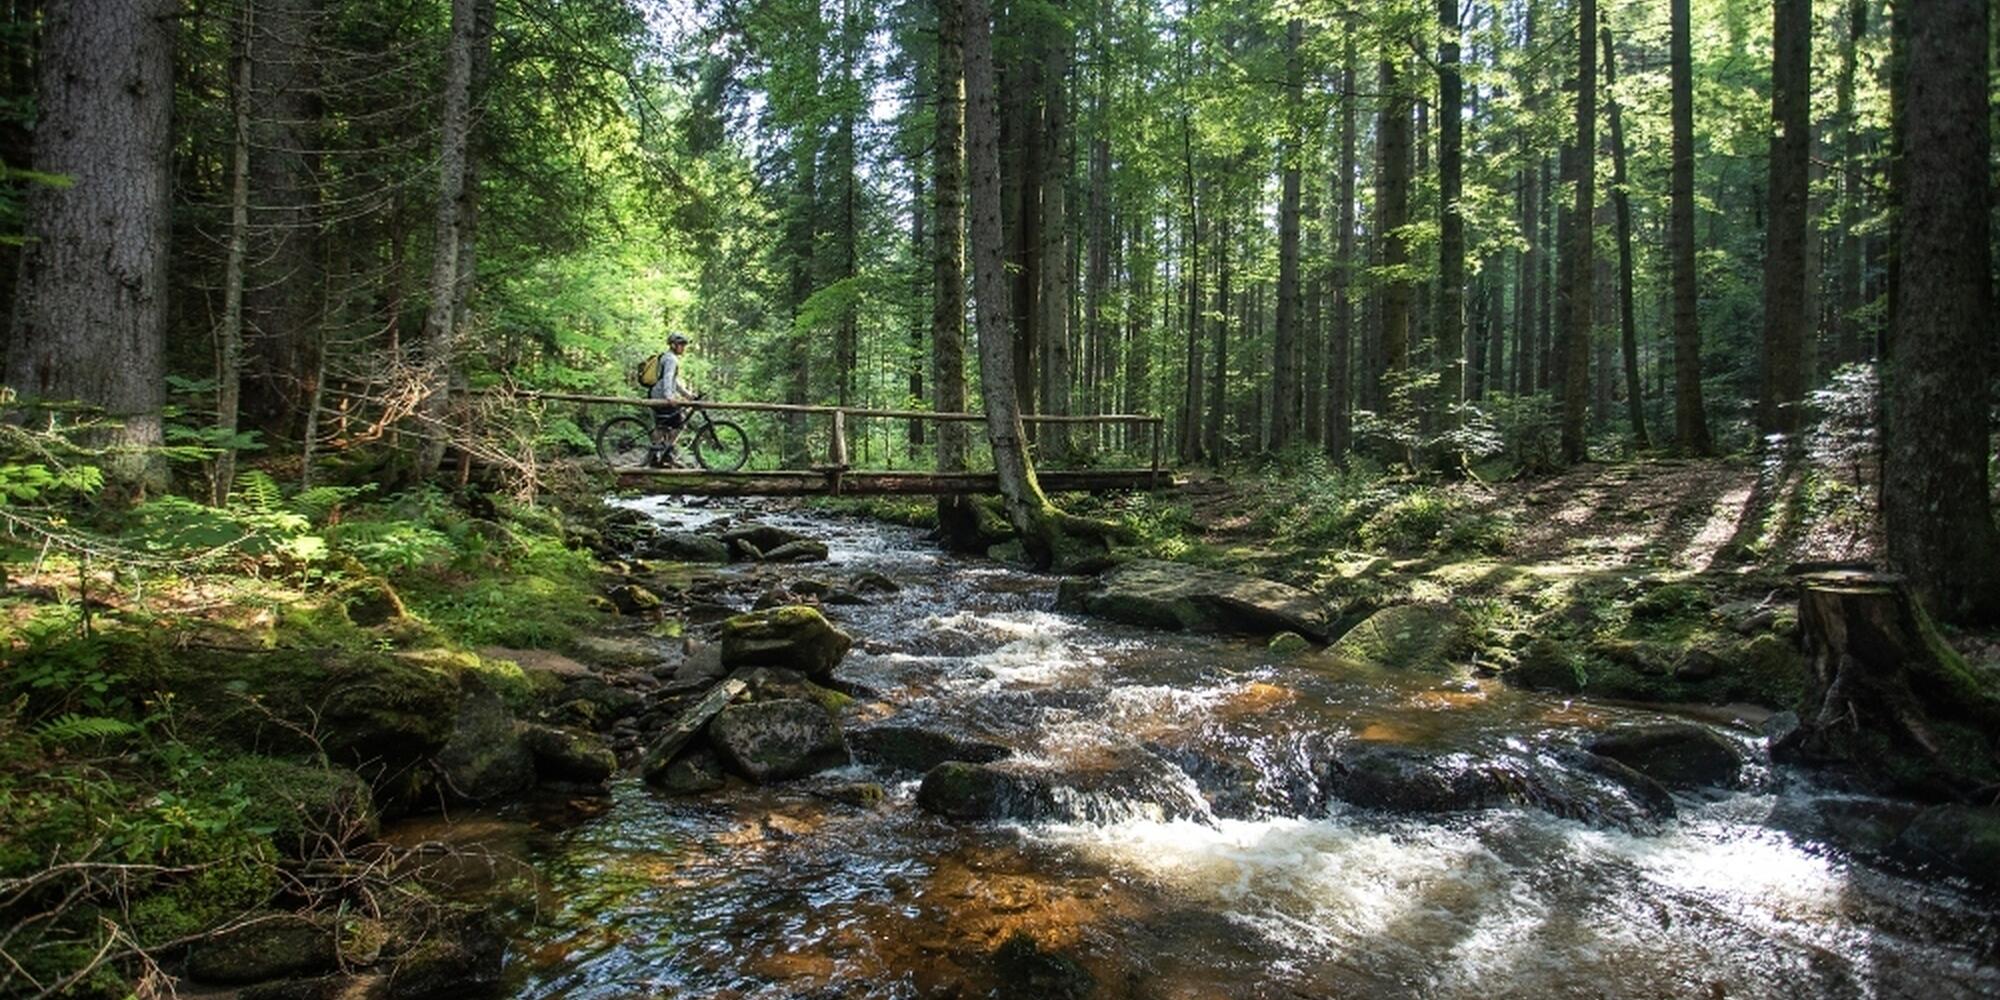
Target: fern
<point>73,728</point>
<point>256,493</point>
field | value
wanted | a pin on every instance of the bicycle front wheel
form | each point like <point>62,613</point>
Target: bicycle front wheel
<point>722,447</point>
<point>625,442</point>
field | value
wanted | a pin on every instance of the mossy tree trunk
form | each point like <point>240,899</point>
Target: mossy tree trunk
<point>1886,696</point>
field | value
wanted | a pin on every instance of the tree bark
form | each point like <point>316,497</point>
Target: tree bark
<point>1218,375</point>
<point>438,327</point>
<point>1191,449</point>
<point>956,517</point>
<point>1285,371</point>
<point>1884,695</point>
<point>1027,508</point>
<point>1936,499</point>
<point>229,336</point>
<point>282,298</point>
<point>800,238</point>
<point>1339,394</point>
<point>1577,325</point>
<point>1690,422</point>
<point>1849,344</point>
<point>1053,329</point>
<point>1628,322</point>
<point>1451,240</point>
<point>1392,213</point>
<point>90,314</point>
<point>1786,318</point>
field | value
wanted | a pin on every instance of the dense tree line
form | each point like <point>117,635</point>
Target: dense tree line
<point>1404,234</point>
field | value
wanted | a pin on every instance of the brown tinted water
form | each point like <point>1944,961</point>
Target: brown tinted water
<point>1270,891</point>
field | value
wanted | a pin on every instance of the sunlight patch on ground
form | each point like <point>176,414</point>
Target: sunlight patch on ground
<point>1715,532</point>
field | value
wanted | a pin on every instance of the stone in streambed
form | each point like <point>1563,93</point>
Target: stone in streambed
<point>803,550</point>
<point>1128,785</point>
<point>569,755</point>
<point>1409,636</point>
<point>685,547</point>
<point>485,757</point>
<point>632,599</point>
<point>692,773</point>
<point>275,946</point>
<point>914,748</point>
<point>1957,840</point>
<point>773,740</point>
<point>1175,596</point>
<point>1676,754</point>
<point>794,637</point>
<point>761,538</point>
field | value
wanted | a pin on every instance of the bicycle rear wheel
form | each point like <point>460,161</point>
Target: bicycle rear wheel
<point>625,442</point>
<point>721,447</point>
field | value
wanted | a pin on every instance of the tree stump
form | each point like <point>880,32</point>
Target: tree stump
<point>1886,697</point>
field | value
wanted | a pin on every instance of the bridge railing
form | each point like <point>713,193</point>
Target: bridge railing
<point>838,451</point>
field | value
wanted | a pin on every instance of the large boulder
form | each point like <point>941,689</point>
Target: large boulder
<point>277,945</point>
<point>1675,754</point>
<point>1412,636</point>
<point>803,550</point>
<point>1566,783</point>
<point>685,547</point>
<point>485,757</point>
<point>773,740</point>
<point>761,537</point>
<point>794,637</point>
<point>569,755</point>
<point>1127,785</point>
<point>1408,780</point>
<point>1176,596</point>
<point>460,958</point>
<point>915,748</point>
<point>1957,840</point>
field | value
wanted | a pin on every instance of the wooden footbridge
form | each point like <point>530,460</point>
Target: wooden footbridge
<point>838,477</point>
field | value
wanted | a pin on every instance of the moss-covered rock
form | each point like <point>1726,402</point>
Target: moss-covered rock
<point>685,547</point>
<point>1168,595</point>
<point>694,772</point>
<point>307,807</point>
<point>1026,970</point>
<point>917,748</point>
<point>1409,636</point>
<point>1288,644</point>
<point>485,758</point>
<point>371,601</point>
<point>774,740</point>
<point>633,599</point>
<point>762,537</point>
<point>460,958</point>
<point>1547,665</point>
<point>569,755</point>
<point>1671,601</point>
<point>803,550</point>
<point>1958,840</point>
<point>1675,754</point>
<point>271,947</point>
<point>795,637</point>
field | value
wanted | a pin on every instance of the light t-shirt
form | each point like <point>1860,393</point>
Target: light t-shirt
<point>669,386</point>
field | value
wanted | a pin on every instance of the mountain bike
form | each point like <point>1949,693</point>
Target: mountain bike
<point>718,445</point>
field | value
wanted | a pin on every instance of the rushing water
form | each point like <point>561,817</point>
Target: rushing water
<point>1266,892</point>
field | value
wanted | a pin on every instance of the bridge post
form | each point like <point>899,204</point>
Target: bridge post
<point>1156,423</point>
<point>839,450</point>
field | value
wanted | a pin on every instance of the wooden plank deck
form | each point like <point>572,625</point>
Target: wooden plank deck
<point>829,482</point>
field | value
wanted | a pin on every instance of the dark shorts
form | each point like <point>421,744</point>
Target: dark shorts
<point>670,418</point>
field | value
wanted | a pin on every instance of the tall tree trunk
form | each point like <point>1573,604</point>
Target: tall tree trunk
<point>1786,319</point>
<point>229,336</point>
<point>1392,213</point>
<point>438,329</point>
<point>282,303</point>
<point>914,432</point>
<point>1690,422</point>
<point>1191,449</point>
<point>1022,150</point>
<point>1285,372</point>
<point>1576,331</point>
<point>1529,265</point>
<point>847,336</point>
<point>1313,275</point>
<point>800,238</point>
<point>956,517</point>
<point>1340,381</point>
<point>1218,376</point>
<point>1628,323</point>
<point>1936,500</point>
<point>1027,507</point>
<point>1055,440</point>
<point>90,314</point>
<point>1451,240</point>
<point>1850,346</point>
<point>1098,327</point>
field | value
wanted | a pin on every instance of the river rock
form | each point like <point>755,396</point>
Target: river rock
<point>1026,970</point>
<point>461,959</point>
<point>803,550</point>
<point>334,987</point>
<point>1676,754</point>
<point>761,537</point>
<point>693,773</point>
<point>1408,780</point>
<point>1177,596</point>
<point>795,637</point>
<point>685,547</point>
<point>871,582</point>
<point>276,946</point>
<point>1958,840</point>
<point>485,758</point>
<point>689,724</point>
<point>1128,785</point>
<point>1413,636</point>
<point>1546,665</point>
<point>773,740</point>
<point>632,599</point>
<point>915,748</point>
<point>568,755</point>
<point>607,703</point>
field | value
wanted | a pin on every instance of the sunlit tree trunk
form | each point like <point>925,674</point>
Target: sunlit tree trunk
<point>1581,248</point>
<point>1340,381</point>
<point>1690,422</point>
<point>1936,500</point>
<point>438,326</point>
<point>1392,213</point>
<point>229,335</point>
<point>1786,318</point>
<point>1628,323</point>
<point>1284,370</point>
<point>90,311</point>
<point>1451,241</point>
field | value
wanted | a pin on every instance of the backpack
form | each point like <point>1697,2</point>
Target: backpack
<point>648,372</point>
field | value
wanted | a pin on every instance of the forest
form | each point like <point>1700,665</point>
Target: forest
<point>1564,423</point>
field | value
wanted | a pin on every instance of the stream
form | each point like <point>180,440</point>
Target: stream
<point>1261,889</point>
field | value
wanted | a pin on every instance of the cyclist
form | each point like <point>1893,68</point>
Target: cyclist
<point>668,420</point>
